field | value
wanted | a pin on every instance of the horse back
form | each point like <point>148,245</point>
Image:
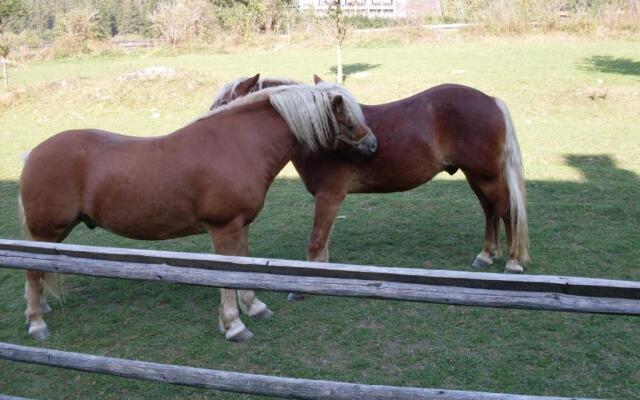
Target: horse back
<point>444,128</point>
<point>114,181</point>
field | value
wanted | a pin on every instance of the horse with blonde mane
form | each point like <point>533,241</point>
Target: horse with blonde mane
<point>210,176</point>
<point>446,128</point>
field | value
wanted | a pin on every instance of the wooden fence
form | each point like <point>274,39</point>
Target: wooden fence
<point>536,292</point>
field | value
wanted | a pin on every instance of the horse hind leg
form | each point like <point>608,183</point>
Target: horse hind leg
<point>38,281</point>
<point>499,195</point>
<point>490,247</point>
<point>513,265</point>
<point>36,326</point>
<point>37,305</point>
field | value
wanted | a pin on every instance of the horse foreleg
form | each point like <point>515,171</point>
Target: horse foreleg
<point>34,294</point>
<point>249,303</point>
<point>252,306</point>
<point>230,240</point>
<point>326,208</point>
<point>45,308</point>
<point>229,320</point>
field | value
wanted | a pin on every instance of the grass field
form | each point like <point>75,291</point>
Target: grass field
<point>582,163</point>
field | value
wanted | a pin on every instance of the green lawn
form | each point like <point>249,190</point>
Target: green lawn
<point>582,163</point>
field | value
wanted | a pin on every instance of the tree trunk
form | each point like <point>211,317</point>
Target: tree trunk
<point>339,75</point>
<point>4,71</point>
<point>271,11</point>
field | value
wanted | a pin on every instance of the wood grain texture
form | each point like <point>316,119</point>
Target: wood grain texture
<point>479,280</point>
<point>376,289</point>
<point>7,397</point>
<point>288,388</point>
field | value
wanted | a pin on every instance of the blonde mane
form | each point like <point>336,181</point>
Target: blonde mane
<point>262,83</point>
<point>306,109</point>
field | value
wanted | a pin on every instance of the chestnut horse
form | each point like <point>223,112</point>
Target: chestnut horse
<point>210,176</point>
<point>445,128</point>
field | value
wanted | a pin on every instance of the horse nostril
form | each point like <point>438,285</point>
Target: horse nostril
<point>373,147</point>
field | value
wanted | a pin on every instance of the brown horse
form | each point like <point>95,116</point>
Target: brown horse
<point>210,176</point>
<point>445,128</point>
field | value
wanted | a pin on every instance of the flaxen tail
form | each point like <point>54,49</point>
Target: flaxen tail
<point>514,175</point>
<point>50,281</point>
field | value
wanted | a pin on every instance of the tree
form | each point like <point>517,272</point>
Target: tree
<point>179,20</point>
<point>8,9</point>
<point>339,29</point>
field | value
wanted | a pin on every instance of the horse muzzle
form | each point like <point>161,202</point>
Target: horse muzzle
<point>367,146</point>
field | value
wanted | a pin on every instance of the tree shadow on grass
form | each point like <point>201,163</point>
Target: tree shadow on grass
<point>611,65</point>
<point>351,69</point>
<point>438,225</point>
<point>601,170</point>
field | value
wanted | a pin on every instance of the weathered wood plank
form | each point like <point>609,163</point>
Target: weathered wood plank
<point>288,388</point>
<point>376,289</point>
<point>7,397</point>
<point>534,283</point>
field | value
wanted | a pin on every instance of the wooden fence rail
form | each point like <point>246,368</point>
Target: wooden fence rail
<point>537,292</point>
<point>287,388</point>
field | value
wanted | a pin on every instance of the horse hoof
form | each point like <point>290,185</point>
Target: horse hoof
<point>240,336</point>
<point>238,332</point>
<point>264,314</point>
<point>258,310</point>
<point>513,267</point>
<point>45,309</point>
<point>482,261</point>
<point>295,296</point>
<point>39,332</point>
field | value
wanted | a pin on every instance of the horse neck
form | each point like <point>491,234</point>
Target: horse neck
<point>258,129</point>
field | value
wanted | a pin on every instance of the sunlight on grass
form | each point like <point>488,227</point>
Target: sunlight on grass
<point>582,167</point>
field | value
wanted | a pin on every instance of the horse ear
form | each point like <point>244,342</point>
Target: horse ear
<point>245,86</point>
<point>316,79</point>
<point>336,102</point>
<point>255,79</point>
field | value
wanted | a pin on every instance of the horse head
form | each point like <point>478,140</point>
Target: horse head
<point>343,115</point>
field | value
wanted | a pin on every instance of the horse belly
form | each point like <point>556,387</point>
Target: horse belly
<point>147,222</point>
<point>138,212</point>
<point>140,197</point>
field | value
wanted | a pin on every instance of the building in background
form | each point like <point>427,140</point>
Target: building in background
<point>378,8</point>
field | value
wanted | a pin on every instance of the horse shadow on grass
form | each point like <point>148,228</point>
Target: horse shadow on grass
<point>350,69</point>
<point>586,227</point>
<point>611,65</point>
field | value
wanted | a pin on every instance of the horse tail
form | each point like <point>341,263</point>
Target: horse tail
<point>513,173</point>
<point>50,281</point>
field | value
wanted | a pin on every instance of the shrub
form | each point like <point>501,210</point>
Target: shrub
<point>243,19</point>
<point>182,20</point>
<point>547,15</point>
<point>75,30</point>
